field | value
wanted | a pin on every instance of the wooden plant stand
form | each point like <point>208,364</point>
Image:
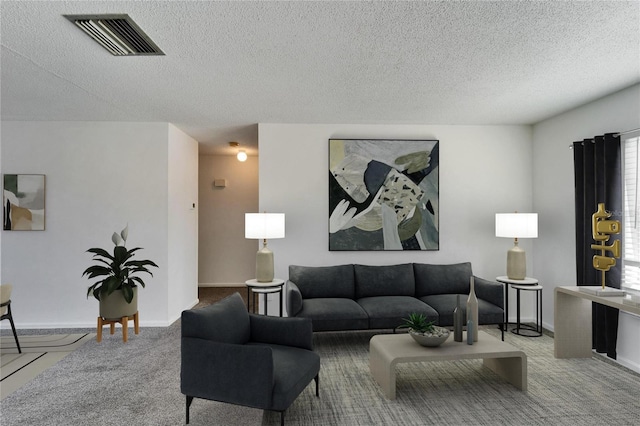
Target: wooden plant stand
<point>112,323</point>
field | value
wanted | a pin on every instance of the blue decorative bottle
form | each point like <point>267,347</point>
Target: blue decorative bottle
<point>458,321</point>
<point>470,330</point>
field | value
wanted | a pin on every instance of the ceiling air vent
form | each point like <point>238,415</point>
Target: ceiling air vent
<point>116,33</point>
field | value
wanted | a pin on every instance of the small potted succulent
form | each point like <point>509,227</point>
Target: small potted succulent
<point>425,332</point>
<point>116,289</point>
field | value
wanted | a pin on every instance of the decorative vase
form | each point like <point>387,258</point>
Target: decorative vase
<point>470,335</point>
<point>458,321</point>
<point>472,309</point>
<point>114,306</point>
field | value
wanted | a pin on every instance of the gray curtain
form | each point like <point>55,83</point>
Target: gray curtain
<point>598,179</point>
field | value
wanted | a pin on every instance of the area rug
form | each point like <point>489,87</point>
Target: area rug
<point>39,352</point>
<point>44,343</point>
<point>112,383</point>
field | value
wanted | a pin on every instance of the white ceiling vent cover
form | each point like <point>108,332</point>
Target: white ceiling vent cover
<point>116,33</point>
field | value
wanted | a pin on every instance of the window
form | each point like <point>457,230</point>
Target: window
<point>631,211</point>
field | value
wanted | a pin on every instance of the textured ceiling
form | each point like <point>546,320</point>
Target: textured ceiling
<point>230,65</point>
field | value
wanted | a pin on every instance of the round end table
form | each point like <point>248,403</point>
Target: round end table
<point>257,287</point>
<point>527,284</point>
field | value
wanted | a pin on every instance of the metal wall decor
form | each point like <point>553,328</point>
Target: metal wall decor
<point>602,228</point>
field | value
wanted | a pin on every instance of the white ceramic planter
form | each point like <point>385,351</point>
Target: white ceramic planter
<point>114,306</point>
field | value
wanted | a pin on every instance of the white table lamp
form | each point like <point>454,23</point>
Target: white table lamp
<point>263,226</point>
<point>516,225</point>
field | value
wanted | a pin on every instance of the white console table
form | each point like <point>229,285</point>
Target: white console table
<point>572,320</point>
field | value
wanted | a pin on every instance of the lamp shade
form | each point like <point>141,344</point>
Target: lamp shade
<point>517,225</point>
<point>264,225</point>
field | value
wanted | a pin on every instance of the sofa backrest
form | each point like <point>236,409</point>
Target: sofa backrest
<point>392,280</point>
<point>323,281</point>
<point>442,279</point>
<point>225,321</point>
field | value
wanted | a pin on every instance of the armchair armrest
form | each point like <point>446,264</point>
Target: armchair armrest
<point>491,291</point>
<point>234,373</point>
<point>294,299</point>
<point>297,332</point>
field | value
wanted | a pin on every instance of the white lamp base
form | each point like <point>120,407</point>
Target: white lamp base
<point>264,265</point>
<point>516,263</point>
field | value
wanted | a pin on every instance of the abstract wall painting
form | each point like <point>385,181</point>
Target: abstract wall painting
<point>23,202</point>
<point>383,194</point>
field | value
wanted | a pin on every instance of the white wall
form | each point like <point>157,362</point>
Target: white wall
<point>183,222</point>
<point>100,177</point>
<point>553,199</point>
<point>226,258</point>
<point>483,170</point>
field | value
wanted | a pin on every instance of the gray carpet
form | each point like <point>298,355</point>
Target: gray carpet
<point>137,383</point>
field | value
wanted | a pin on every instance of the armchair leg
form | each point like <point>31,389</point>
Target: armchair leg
<point>13,328</point>
<point>317,379</point>
<point>189,401</point>
<point>282,418</point>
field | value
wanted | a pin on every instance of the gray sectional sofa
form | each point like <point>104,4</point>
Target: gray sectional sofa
<point>361,297</point>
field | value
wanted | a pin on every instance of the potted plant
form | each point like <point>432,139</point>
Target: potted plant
<point>116,289</point>
<point>425,332</point>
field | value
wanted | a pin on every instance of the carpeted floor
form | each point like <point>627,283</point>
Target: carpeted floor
<point>209,295</point>
<point>112,383</point>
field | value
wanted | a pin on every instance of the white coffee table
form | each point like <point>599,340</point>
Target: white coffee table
<point>388,350</point>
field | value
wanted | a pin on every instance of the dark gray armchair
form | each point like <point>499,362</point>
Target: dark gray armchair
<point>230,355</point>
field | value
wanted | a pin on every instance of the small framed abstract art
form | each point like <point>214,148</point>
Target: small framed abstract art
<point>383,194</point>
<point>23,202</point>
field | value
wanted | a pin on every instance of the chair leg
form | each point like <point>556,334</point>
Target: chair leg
<point>317,379</point>
<point>189,401</point>
<point>13,328</point>
<point>282,418</point>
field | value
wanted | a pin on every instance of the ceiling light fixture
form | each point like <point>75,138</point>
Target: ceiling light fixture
<point>242,154</point>
<point>116,33</point>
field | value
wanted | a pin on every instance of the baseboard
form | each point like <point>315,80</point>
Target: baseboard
<point>93,324</point>
<point>631,365</point>
<point>221,285</point>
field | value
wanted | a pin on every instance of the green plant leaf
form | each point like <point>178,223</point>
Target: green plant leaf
<point>119,255</point>
<point>118,270</point>
<point>138,280</point>
<point>127,292</point>
<point>140,264</point>
<point>417,322</point>
<point>96,271</point>
<point>111,284</point>
<point>100,252</point>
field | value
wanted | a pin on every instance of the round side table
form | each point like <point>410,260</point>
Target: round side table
<point>255,287</point>
<point>527,284</point>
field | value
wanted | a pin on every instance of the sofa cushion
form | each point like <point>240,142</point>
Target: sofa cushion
<point>442,279</point>
<point>323,281</point>
<point>226,321</point>
<point>389,311</point>
<point>293,369</point>
<point>392,280</point>
<point>332,314</point>
<point>444,304</point>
